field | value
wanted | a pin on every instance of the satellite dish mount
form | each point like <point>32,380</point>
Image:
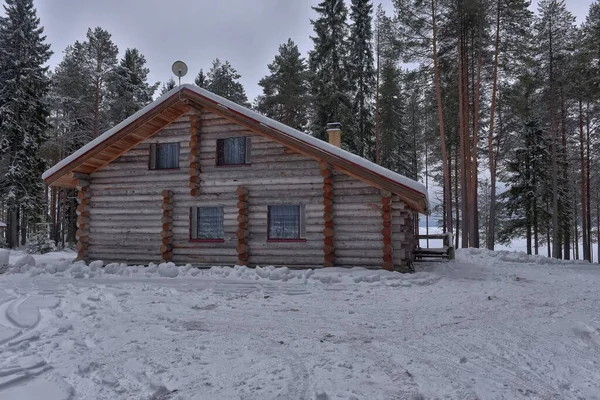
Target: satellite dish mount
<point>180,69</point>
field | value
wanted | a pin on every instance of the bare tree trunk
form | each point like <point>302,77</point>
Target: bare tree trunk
<point>566,223</point>
<point>491,238</point>
<point>463,141</point>
<point>474,175</point>
<point>13,229</point>
<point>23,228</point>
<point>438,90</point>
<point>458,227</point>
<point>584,211</point>
<point>588,187</point>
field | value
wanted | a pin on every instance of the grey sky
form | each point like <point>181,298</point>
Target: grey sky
<point>245,32</point>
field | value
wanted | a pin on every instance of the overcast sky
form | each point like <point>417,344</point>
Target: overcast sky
<point>245,32</point>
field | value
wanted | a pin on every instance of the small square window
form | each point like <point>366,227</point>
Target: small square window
<point>286,222</point>
<point>233,151</point>
<point>206,223</point>
<point>164,155</point>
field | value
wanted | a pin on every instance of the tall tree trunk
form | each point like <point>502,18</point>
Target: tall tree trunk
<point>463,141</point>
<point>474,164</point>
<point>23,228</point>
<point>556,245</point>
<point>584,211</point>
<point>491,238</point>
<point>13,228</point>
<point>588,186</point>
<point>566,203</point>
<point>458,227</point>
<point>438,90</point>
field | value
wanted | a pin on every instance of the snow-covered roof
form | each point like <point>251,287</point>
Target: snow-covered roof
<point>2,224</point>
<point>190,91</point>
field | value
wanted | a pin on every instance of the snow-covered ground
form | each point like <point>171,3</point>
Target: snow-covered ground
<point>487,326</point>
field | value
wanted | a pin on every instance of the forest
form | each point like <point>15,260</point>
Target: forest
<point>492,104</point>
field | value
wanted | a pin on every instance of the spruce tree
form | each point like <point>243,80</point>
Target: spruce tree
<point>222,79</point>
<point>23,112</point>
<point>362,76</point>
<point>328,63</point>
<point>285,89</point>
<point>200,80</point>
<point>170,84</point>
<point>128,87</point>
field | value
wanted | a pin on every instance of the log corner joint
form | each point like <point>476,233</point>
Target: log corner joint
<point>166,248</point>
<point>242,233</point>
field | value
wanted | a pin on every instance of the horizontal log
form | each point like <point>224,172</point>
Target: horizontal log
<point>166,248</point>
<point>166,193</point>
<point>166,234</point>
<point>166,207</point>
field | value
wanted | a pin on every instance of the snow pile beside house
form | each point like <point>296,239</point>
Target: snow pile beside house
<point>27,265</point>
<point>503,257</point>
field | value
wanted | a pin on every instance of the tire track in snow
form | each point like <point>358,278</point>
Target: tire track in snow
<point>20,375</point>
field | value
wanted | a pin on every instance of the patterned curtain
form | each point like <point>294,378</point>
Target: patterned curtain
<point>210,223</point>
<point>284,222</point>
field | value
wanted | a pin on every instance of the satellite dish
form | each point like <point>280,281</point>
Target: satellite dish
<point>180,69</point>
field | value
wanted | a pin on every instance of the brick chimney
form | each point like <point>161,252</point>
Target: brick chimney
<point>334,130</point>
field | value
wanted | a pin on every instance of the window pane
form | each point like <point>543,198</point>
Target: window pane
<point>284,222</point>
<point>167,155</point>
<point>232,151</point>
<point>210,223</point>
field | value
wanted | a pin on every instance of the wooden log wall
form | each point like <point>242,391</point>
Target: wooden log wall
<point>328,216</point>
<point>166,248</point>
<point>83,218</point>
<point>242,234</point>
<point>127,207</point>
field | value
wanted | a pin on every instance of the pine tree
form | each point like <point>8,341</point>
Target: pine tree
<point>328,64</point>
<point>128,87</point>
<point>222,79</point>
<point>285,89</point>
<point>102,60</point>
<point>362,76</point>
<point>200,80</point>
<point>23,112</point>
<point>169,85</point>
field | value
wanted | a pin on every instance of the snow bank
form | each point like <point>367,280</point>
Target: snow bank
<point>488,257</point>
<point>96,269</point>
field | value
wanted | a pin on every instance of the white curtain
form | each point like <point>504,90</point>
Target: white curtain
<point>168,155</point>
<point>210,223</point>
<point>234,151</point>
<point>284,222</point>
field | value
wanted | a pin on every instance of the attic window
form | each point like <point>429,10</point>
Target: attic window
<point>233,151</point>
<point>164,155</point>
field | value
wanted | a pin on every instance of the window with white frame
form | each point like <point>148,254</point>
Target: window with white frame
<point>164,155</point>
<point>233,151</point>
<point>286,222</point>
<point>206,223</point>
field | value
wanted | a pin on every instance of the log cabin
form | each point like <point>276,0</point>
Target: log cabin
<point>195,178</point>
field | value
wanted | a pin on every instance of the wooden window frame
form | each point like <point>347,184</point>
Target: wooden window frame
<point>247,152</point>
<point>301,224</point>
<point>198,240</point>
<point>156,145</point>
